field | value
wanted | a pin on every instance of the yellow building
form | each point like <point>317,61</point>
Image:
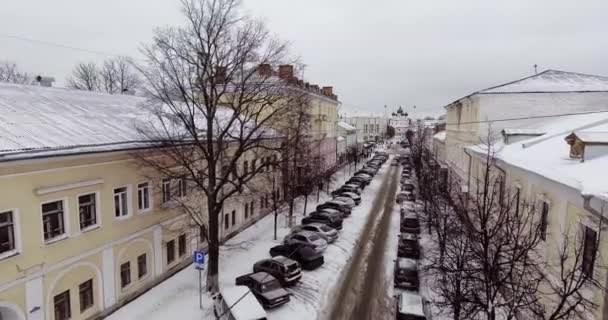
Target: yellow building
<point>560,167</point>
<point>83,228</point>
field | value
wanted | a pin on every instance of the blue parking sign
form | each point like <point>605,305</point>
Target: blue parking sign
<point>199,257</point>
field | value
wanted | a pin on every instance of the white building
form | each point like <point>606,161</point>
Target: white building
<point>370,126</point>
<point>551,92</point>
<point>401,125</point>
<point>347,137</point>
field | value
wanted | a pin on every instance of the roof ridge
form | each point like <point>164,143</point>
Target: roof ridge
<point>561,132</point>
<point>514,81</point>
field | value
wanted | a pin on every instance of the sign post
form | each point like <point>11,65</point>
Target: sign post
<point>199,263</point>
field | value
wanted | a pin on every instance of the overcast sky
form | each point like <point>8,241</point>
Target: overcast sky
<point>375,53</point>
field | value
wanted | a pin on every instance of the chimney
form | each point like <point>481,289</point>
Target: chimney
<point>315,88</point>
<point>220,75</point>
<point>265,70</point>
<point>300,83</point>
<point>328,91</point>
<point>307,85</point>
<point>44,81</point>
<point>286,71</point>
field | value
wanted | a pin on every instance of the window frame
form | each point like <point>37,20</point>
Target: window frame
<point>182,248</point>
<point>170,261</point>
<point>182,187</point>
<point>66,221</point>
<point>16,226</point>
<point>139,268</point>
<point>150,196</point>
<point>544,219</point>
<point>588,269</point>
<point>226,221</point>
<point>246,211</point>
<point>127,204</point>
<point>90,295</point>
<point>233,216</point>
<point>165,189</point>
<point>97,224</point>
<point>128,281</point>
<point>65,295</point>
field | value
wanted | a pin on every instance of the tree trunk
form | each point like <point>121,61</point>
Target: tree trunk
<point>305,203</point>
<point>291,208</point>
<point>214,253</point>
<point>276,216</point>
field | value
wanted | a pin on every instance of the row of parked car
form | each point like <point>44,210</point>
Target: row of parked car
<point>410,305</point>
<point>303,247</point>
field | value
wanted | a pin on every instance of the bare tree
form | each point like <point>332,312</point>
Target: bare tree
<point>213,108</point>
<point>118,76</point>
<point>9,72</point>
<point>85,76</point>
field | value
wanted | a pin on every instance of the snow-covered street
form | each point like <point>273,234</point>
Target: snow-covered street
<point>312,297</point>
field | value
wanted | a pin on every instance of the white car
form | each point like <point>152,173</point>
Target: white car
<point>308,238</point>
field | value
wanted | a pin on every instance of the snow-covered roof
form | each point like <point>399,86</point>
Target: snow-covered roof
<point>523,131</point>
<point>592,136</point>
<point>243,303</point>
<point>410,304</point>
<point>548,155</point>
<point>345,126</point>
<point>440,135</point>
<point>553,81</point>
<point>39,121</point>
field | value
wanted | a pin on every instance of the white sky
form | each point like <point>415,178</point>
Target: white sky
<point>425,53</point>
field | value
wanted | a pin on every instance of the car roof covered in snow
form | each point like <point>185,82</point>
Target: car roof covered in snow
<point>408,236</point>
<point>283,260</point>
<point>262,277</point>
<point>410,304</point>
<point>407,263</point>
<point>243,304</point>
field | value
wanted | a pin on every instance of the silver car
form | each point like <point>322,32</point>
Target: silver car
<point>326,232</point>
<point>307,238</point>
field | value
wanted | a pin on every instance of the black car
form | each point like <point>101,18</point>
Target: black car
<point>354,189</point>
<point>286,270</point>
<point>406,274</point>
<point>370,171</point>
<point>352,195</point>
<point>336,205</point>
<point>266,288</point>
<point>325,218</point>
<point>334,212</point>
<point>408,246</point>
<point>308,258</point>
<point>410,225</point>
<point>359,182</point>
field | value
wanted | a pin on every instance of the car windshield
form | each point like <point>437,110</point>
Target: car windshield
<point>271,285</point>
<point>325,228</point>
<point>313,237</point>
<point>410,222</point>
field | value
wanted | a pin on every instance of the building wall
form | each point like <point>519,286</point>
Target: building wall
<point>30,279</point>
<point>567,219</point>
<point>369,128</point>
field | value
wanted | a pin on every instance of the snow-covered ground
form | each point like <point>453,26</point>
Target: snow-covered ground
<point>178,297</point>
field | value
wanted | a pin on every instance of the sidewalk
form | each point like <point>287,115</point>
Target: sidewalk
<point>177,297</point>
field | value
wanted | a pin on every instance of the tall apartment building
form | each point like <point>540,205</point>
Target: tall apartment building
<point>84,227</point>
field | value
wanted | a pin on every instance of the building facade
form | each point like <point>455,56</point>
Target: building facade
<point>402,124</point>
<point>84,227</point>
<point>370,127</point>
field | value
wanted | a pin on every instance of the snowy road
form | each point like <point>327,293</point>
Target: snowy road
<point>365,290</point>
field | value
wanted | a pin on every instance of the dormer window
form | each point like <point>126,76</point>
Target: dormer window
<point>587,144</point>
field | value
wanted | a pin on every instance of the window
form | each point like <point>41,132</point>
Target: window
<point>170,251</point>
<point>246,210</point>
<point>226,221</point>
<point>166,190</point>
<point>589,249</point>
<point>182,187</point>
<point>251,208</point>
<point>87,211</point>
<point>253,165</point>
<point>120,202</point>
<point>52,220</point>
<point>7,232</point>
<point>181,245</point>
<point>142,266</point>
<point>233,217</point>
<point>125,274</point>
<point>543,220</point>
<point>377,128</point>
<point>85,290</point>
<point>245,167</point>
<point>62,306</point>
<point>262,202</point>
<point>143,196</point>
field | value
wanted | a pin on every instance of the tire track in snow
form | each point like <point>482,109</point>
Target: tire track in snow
<point>351,295</point>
